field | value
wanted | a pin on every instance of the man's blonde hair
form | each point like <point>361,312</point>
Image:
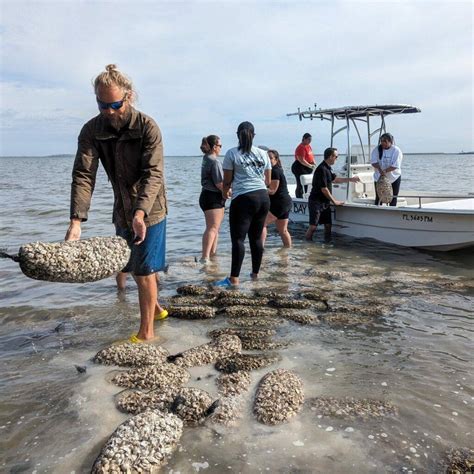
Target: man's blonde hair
<point>112,76</point>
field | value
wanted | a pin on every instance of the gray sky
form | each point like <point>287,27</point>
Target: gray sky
<point>203,67</point>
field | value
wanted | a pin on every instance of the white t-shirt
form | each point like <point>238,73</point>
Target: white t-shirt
<point>249,169</point>
<point>392,157</point>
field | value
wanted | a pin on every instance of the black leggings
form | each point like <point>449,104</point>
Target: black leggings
<point>395,188</point>
<point>298,169</point>
<point>247,216</point>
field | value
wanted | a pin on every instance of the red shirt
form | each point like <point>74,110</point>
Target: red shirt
<point>306,151</point>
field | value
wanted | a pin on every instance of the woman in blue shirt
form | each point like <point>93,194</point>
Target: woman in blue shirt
<point>248,170</point>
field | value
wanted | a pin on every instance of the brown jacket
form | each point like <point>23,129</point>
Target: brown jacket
<point>133,161</point>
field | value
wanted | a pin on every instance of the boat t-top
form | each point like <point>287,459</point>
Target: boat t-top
<point>423,220</point>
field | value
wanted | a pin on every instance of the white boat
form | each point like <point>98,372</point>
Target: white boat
<point>423,220</point>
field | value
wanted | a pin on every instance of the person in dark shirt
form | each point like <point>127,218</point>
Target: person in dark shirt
<point>280,201</point>
<point>321,196</point>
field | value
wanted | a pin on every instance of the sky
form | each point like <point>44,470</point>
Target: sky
<point>203,67</point>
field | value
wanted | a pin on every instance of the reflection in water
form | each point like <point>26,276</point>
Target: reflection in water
<point>417,356</point>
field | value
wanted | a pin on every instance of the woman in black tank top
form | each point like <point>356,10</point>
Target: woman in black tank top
<point>280,201</point>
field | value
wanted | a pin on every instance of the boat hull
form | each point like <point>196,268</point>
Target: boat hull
<point>430,229</point>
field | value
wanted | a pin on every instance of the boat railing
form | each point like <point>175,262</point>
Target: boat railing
<point>437,198</point>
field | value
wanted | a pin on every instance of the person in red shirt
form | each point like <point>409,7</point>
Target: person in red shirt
<point>303,164</point>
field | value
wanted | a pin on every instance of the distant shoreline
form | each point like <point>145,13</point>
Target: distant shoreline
<point>282,155</point>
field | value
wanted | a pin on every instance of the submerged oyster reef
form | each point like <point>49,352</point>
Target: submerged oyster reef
<point>78,261</point>
<point>460,461</point>
<point>253,321</point>
<point>351,408</point>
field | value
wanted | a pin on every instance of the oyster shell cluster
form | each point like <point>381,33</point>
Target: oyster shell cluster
<point>152,376</point>
<point>192,405</point>
<point>352,408</point>
<point>131,355</point>
<point>279,396</point>
<point>78,261</point>
<point>232,384</point>
<point>384,190</point>
<point>246,362</point>
<point>192,290</point>
<point>140,444</point>
<point>191,312</point>
<point>248,311</point>
<point>137,401</point>
<point>223,346</point>
<point>228,411</point>
<point>460,461</point>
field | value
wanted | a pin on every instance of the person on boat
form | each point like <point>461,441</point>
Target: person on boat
<point>303,164</point>
<point>280,201</point>
<point>211,200</point>
<point>248,170</point>
<point>387,161</point>
<point>129,145</point>
<point>321,198</point>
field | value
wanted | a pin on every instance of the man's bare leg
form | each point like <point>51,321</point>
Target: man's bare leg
<point>327,230</point>
<point>121,280</point>
<point>159,308</point>
<point>310,232</point>
<point>147,298</point>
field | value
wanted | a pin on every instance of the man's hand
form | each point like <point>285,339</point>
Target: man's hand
<point>74,230</point>
<point>338,203</point>
<point>139,227</point>
<point>355,179</point>
<point>227,194</point>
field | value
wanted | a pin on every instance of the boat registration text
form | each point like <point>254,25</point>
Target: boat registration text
<point>417,217</point>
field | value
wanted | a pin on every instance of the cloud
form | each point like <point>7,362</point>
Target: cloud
<point>202,67</point>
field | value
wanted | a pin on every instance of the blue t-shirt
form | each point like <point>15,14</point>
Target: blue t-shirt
<point>249,169</point>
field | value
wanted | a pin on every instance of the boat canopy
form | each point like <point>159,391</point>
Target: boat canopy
<point>355,111</point>
<point>352,115</point>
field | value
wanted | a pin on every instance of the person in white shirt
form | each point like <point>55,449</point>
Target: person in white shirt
<point>387,161</point>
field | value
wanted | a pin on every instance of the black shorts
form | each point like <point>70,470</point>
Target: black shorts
<point>281,207</point>
<point>211,200</point>
<point>319,213</point>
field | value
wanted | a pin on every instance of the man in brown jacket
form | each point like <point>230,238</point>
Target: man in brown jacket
<point>128,143</point>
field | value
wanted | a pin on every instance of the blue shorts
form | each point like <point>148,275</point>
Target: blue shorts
<point>149,256</point>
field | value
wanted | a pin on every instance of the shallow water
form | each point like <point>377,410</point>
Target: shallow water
<point>418,357</point>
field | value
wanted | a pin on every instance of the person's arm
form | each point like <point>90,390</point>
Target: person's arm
<point>303,161</point>
<point>268,177</point>
<point>83,181</point>
<point>217,175</point>
<point>374,161</point>
<point>227,183</point>
<point>151,181</point>
<point>354,179</point>
<point>273,187</point>
<point>396,161</point>
<point>228,167</point>
<point>328,194</point>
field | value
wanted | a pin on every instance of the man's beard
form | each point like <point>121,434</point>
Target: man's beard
<point>118,122</point>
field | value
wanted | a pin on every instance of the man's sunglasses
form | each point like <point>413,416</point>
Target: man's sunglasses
<point>111,105</point>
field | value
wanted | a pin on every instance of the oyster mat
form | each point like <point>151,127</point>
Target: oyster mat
<point>78,261</point>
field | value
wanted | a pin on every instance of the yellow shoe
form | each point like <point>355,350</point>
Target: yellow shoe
<point>132,339</point>
<point>162,315</point>
<point>135,340</point>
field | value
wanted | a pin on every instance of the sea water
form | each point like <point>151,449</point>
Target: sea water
<point>418,357</point>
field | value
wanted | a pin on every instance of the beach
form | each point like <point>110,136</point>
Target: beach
<point>417,356</point>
